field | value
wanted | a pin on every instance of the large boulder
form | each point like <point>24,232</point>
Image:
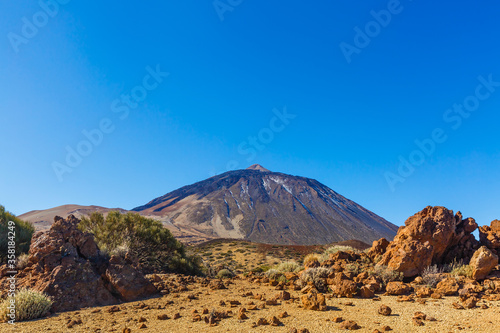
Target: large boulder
<point>66,263</point>
<point>378,248</point>
<point>427,238</point>
<point>482,263</point>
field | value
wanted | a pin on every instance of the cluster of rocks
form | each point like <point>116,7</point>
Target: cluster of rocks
<point>66,264</point>
<point>433,236</point>
<point>174,283</point>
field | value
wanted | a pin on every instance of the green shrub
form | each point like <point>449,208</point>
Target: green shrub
<point>462,270</point>
<point>154,245</point>
<point>261,269</point>
<point>23,233</point>
<point>225,274</point>
<point>30,304</point>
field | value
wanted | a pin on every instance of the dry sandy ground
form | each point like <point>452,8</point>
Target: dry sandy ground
<point>363,311</point>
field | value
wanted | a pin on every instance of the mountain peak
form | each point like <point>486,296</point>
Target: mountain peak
<point>258,167</point>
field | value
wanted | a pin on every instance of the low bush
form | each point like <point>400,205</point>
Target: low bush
<point>274,274</point>
<point>288,266</point>
<point>23,232</point>
<point>311,258</point>
<point>315,276</point>
<point>30,304</point>
<point>337,248</point>
<point>22,261</point>
<point>261,269</point>
<point>462,270</point>
<point>386,274</point>
<point>225,274</point>
<point>155,247</point>
<point>432,275</point>
<point>354,268</point>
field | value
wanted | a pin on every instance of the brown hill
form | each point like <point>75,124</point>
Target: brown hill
<point>43,219</point>
<point>268,207</point>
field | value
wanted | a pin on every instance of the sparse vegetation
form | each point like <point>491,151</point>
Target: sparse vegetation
<point>354,268</point>
<point>386,274</point>
<point>432,275</point>
<point>22,261</point>
<point>337,248</point>
<point>30,304</point>
<point>154,245</point>
<point>225,274</point>
<point>274,274</point>
<point>261,269</point>
<point>461,270</point>
<point>311,258</point>
<point>315,276</point>
<point>288,266</point>
<point>23,233</point>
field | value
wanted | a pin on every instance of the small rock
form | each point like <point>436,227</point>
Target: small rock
<point>349,325</point>
<point>470,303</point>
<point>418,322</point>
<point>397,288</point>
<point>275,321</point>
<point>436,295</point>
<point>262,321</point>
<point>384,310</point>
<point>271,302</point>
<point>283,315</point>
<point>162,317</point>
<point>113,309</point>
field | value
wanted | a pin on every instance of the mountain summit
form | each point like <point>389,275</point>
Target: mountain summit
<point>268,207</point>
<point>258,167</point>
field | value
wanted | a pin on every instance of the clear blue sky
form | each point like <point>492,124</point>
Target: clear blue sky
<point>353,120</point>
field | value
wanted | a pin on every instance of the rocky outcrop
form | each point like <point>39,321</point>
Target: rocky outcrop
<point>482,263</point>
<point>490,236</point>
<point>66,264</point>
<point>125,280</point>
<point>433,236</point>
<point>378,248</point>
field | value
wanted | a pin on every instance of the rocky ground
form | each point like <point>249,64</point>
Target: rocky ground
<point>185,311</point>
<point>242,256</point>
<point>407,285</point>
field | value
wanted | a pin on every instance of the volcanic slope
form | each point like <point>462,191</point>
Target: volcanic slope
<point>268,207</point>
